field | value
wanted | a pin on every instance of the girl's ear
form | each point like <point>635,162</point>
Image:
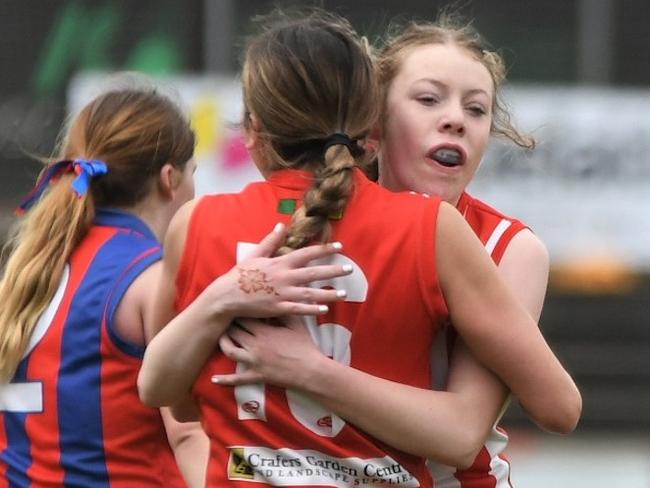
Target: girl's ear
<point>253,126</point>
<point>375,134</point>
<point>168,179</point>
<point>255,144</point>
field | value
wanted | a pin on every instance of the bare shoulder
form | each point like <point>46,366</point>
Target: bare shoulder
<point>177,231</point>
<point>453,230</point>
<point>129,319</point>
<point>450,219</point>
<point>181,220</point>
<point>525,267</point>
<point>526,248</point>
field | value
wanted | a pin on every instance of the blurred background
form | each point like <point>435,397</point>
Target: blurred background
<point>579,74</point>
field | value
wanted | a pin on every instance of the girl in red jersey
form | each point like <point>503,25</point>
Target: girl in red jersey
<point>310,96</point>
<point>440,88</point>
<point>76,301</point>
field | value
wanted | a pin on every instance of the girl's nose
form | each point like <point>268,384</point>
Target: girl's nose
<point>453,121</point>
<point>454,127</point>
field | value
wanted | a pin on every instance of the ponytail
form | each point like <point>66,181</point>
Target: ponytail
<point>42,244</point>
<point>126,136</point>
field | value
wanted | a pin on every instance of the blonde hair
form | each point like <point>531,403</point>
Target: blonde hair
<point>305,78</point>
<point>135,132</point>
<point>449,29</point>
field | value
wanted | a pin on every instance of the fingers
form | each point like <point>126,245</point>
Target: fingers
<point>248,329</point>
<point>297,308</point>
<point>226,344</point>
<point>293,322</point>
<point>271,243</point>
<point>304,294</point>
<point>257,327</point>
<point>237,325</point>
<point>233,351</point>
<point>300,257</point>
<point>252,325</point>
<point>239,335</point>
<point>312,274</point>
<point>244,378</point>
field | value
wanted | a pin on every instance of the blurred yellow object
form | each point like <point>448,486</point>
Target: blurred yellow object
<point>206,121</point>
<point>593,275</point>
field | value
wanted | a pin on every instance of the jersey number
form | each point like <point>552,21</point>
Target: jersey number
<point>332,339</point>
<point>28,397</point>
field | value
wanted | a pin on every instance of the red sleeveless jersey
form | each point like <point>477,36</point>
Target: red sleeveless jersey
<point>266,436</point>
<point>491,468</point>
<point>71,415</point>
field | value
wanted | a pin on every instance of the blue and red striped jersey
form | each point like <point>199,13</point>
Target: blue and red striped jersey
<point>71,415</point>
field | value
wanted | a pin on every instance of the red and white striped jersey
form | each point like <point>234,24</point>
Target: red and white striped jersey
<point>266,436</point>
<point>491,468</point>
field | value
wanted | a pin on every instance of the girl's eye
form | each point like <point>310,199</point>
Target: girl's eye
<point>476,110</point>
<point>427,99</point>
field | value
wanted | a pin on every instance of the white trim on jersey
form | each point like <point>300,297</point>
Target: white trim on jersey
<point>45,320</point>
<point>443,475</point>
<point>495,445</point>
<point>497,440</point>
<point>28,397</point>
<point>497,233</point>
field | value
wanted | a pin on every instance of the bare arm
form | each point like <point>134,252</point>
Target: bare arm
<point>423,422</point>
<point>524,268</point>
<point>498,329</point>
<point>449,427</point>
<point>191,448</point>
<point>177,353</point>
<point>479,393</point>
<point>188,441</point>
<point>165,377</point>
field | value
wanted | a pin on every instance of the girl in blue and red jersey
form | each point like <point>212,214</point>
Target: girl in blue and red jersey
<point>72,328</point>
<point>310,97</point>
<point>440,90</point>
<point>76,303</point>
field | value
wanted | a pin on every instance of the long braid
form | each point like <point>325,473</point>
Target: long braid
<point>325,200</point>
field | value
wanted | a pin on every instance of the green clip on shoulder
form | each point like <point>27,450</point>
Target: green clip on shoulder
<point>287,206</point>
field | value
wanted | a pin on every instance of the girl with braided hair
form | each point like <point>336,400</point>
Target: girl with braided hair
<point>311,94</point>
<point>440,87</point>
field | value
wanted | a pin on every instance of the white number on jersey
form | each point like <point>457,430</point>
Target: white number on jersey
<point>332,339</point>
<point>28,397</point>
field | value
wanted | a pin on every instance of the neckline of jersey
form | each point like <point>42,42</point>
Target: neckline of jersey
<point>112,217</point>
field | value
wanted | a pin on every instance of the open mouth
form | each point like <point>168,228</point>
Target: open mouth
<point>447,157</point>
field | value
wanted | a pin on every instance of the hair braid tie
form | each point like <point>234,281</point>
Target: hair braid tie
<point>340,139</point>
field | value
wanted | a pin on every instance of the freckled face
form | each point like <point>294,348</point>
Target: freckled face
<point>437,122</point>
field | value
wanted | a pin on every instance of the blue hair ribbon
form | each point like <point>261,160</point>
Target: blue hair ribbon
<point>84,169</point>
